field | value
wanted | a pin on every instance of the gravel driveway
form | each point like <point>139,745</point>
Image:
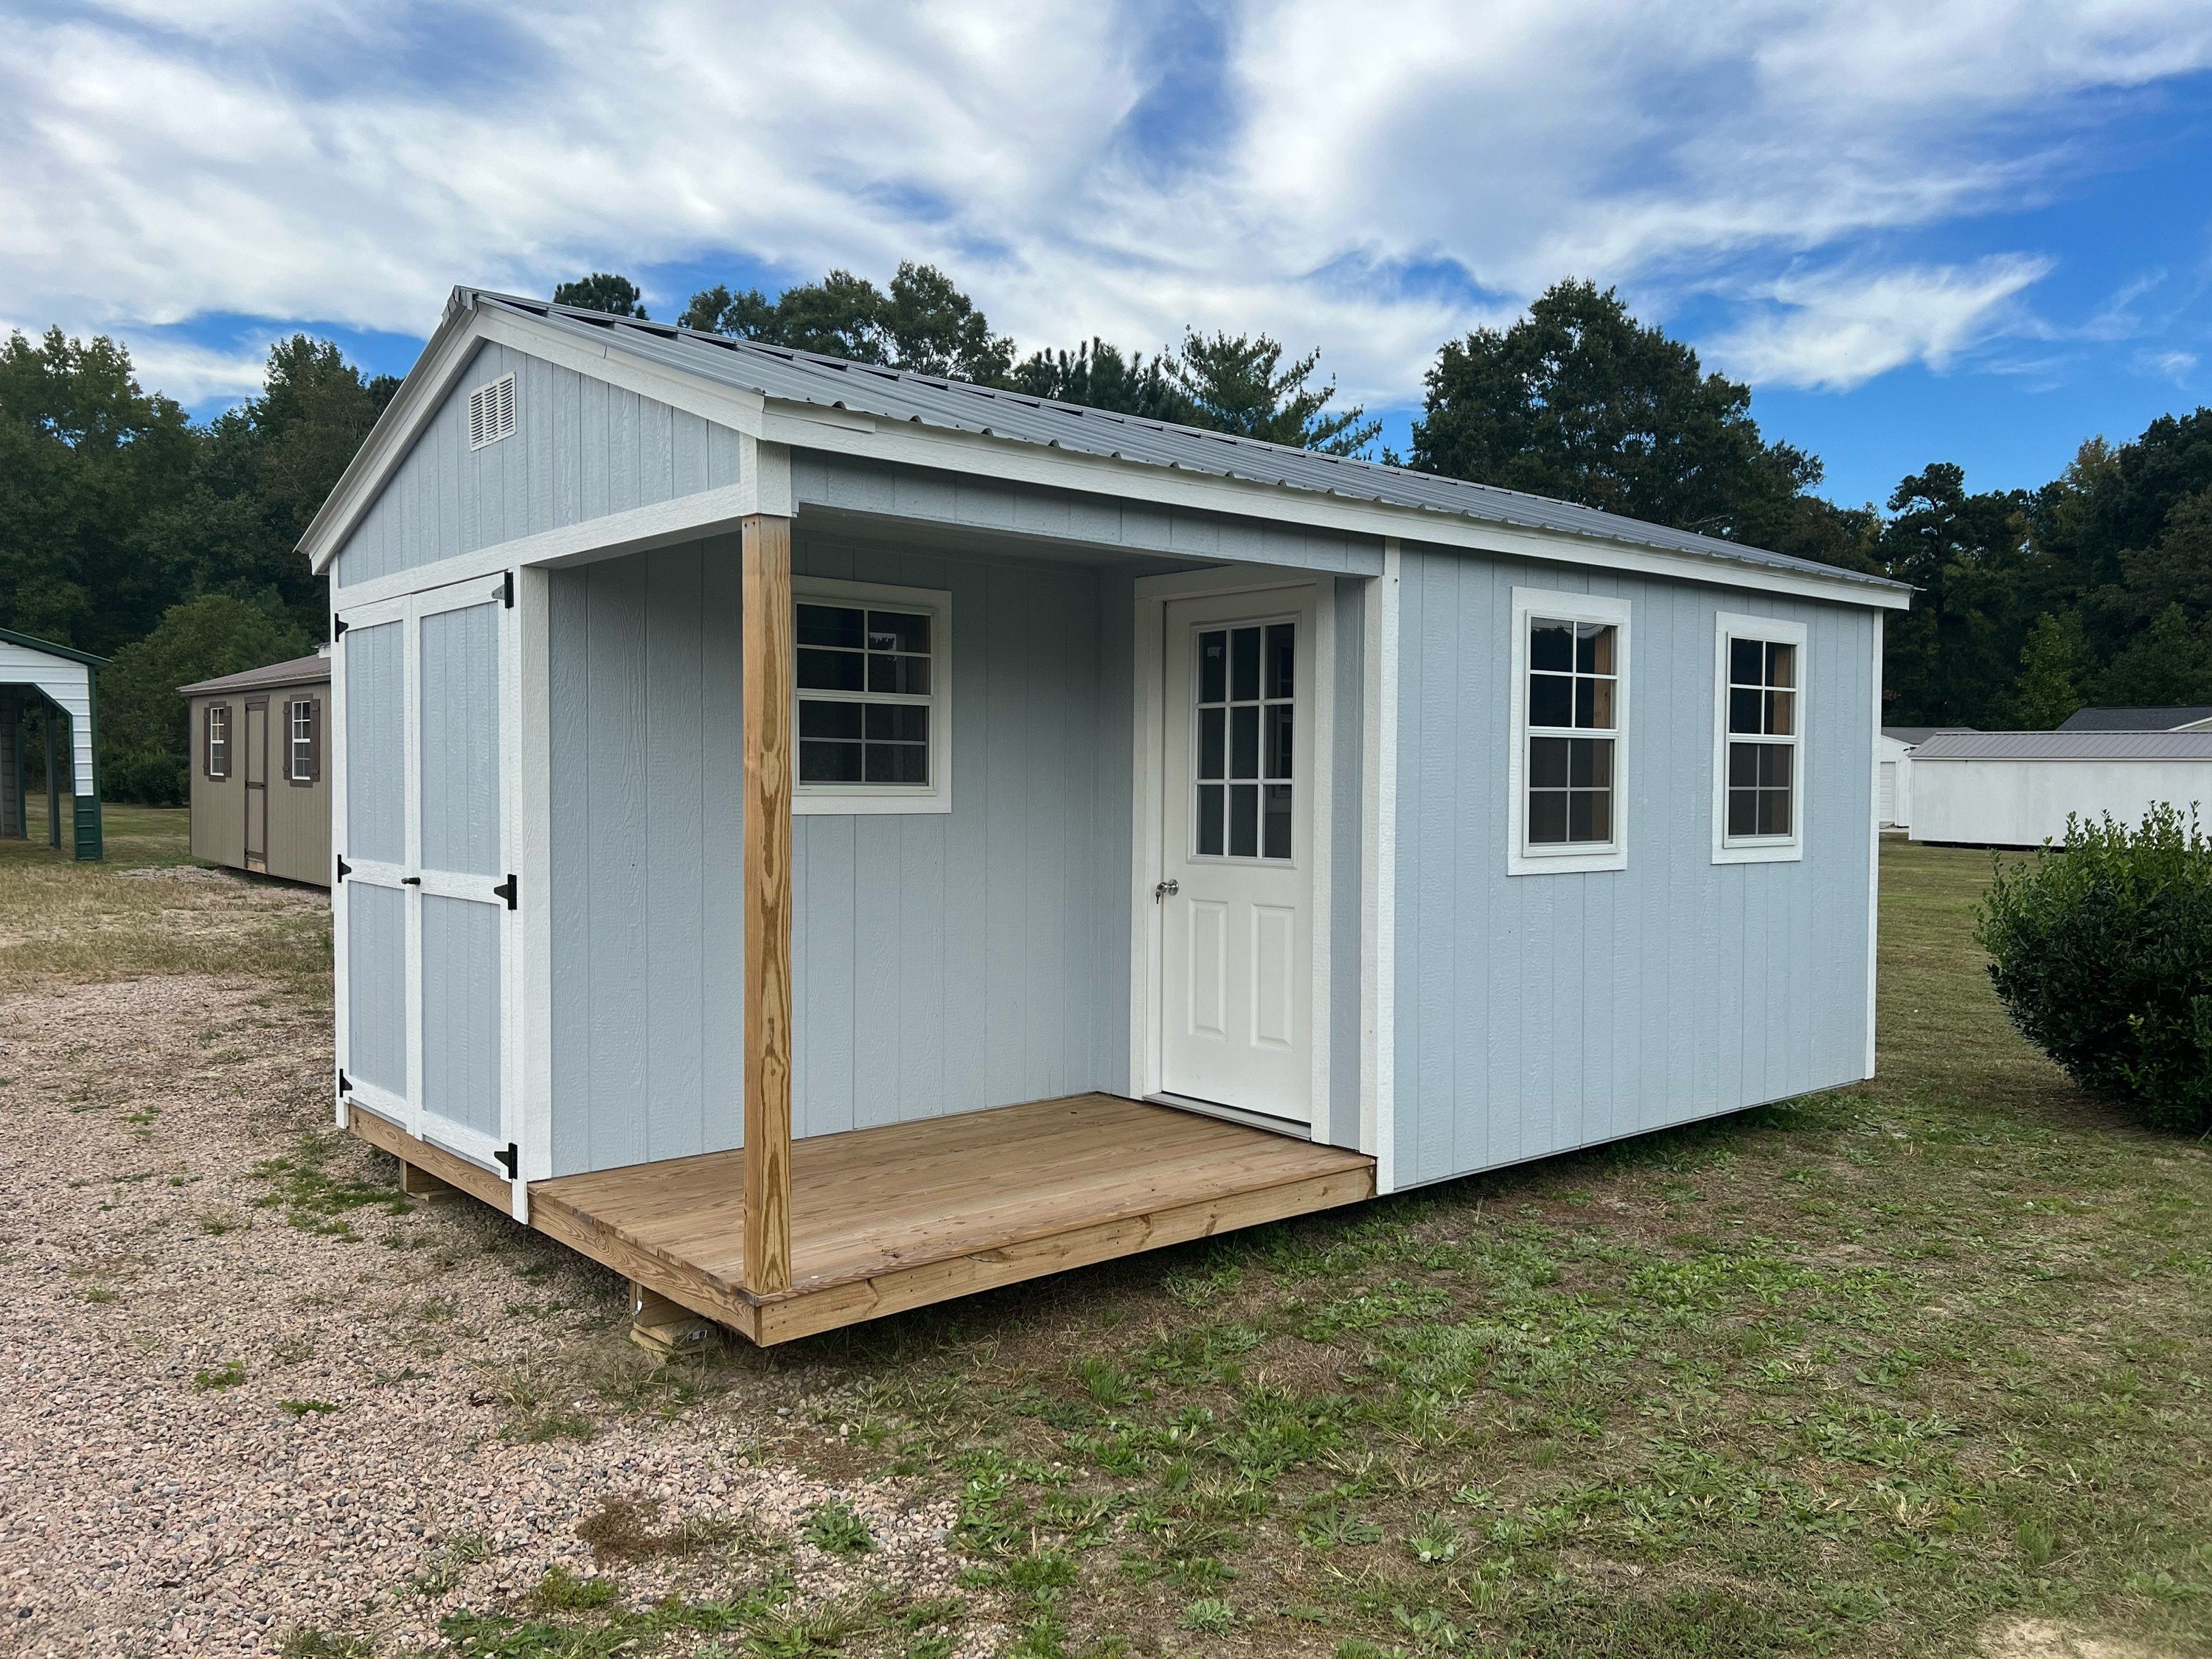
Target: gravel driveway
<point>240,1401</point>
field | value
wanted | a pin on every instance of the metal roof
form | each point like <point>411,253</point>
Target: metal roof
<point>299,671</point>
<point>67,653</point>
<point>2066,746</point>
<point>1921,733</point>
<point>2136,719</point>
<point>891,394</point>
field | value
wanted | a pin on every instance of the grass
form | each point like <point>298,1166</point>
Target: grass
<point>1871,1372</point>
<point>63,923</point>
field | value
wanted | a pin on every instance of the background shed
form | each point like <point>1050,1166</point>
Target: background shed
<point>49,708</point>
<point>2017,788</point>
<point>259,802</point>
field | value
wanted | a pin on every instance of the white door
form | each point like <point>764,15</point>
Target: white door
<point>425,906</point>
<point>1237,877</point>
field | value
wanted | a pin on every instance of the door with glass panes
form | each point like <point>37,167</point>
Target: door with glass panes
<point>425,903</point>
<point>1237,888</point>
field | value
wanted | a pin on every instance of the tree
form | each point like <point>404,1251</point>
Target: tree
<point>1239,384</point>
<point>2176,567</point>
<point>85,454</point>
<point>1096,375</point>
<point>924,324</point>
<point>145,728</point>
<point>2169,664</point>
<point>1579,401</point>
<point>1954,656</point>
<point>2055,665</point>
<point>602,291</point>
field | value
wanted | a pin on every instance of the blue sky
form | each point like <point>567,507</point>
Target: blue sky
<point>1978,231</point>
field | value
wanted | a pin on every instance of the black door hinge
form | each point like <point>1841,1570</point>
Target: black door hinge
<point>345,1083</point>
<point>511,1159</point>
<point>345,869</point>
<point>507,890</point>
<point>339,627</point>
<point>508,594</point>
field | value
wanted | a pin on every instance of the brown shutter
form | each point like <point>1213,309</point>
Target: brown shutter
<point>207,742</point>
<point>314,740</point>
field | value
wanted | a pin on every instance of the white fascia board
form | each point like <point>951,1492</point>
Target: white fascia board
<point>842,432</point>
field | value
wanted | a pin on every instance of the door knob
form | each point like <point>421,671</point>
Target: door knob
<point>1167,888</point>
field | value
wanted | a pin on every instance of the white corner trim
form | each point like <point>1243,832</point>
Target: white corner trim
<point>1521,859</point>
<point>1775,850</point>
<point>533,601</point>
<point>764,478</point>
<point>860,800</point>
<point>1378,907</point>
<point>1874,846</point>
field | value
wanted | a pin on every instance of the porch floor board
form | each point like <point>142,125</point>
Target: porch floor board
<point>905,1214</point>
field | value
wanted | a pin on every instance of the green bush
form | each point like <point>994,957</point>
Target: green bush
<point>2101,952</point>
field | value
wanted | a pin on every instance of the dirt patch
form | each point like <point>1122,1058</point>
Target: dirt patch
<point>2052,1638</point>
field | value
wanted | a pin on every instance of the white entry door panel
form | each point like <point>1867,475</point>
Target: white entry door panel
<point>1236,1018</point>
<point>425,902</point>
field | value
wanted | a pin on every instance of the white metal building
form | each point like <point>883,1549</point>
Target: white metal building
<point>39,676</point>
<point>1893,791</point>
<point>2018,788</point>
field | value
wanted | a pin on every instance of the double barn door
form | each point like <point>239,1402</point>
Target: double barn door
<point>424,804</point>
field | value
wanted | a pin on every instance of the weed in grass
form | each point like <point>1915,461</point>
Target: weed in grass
<point>450,1564</point>
<point>98,1293</point>
<point>215,1223</point>
<point>1209,1616</point>
<point>1107,1382</point>
<point>229,1374</point>
<point>1434,1540</point>
<point>562,1591</point>
<point>304,1407</point>
<point>835,1528</point>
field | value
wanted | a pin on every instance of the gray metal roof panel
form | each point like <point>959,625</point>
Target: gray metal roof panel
<point>1920,733</point>
<point>2066,746</point>
<point>2136,719</point>
<point>299,670</point>
<point>784,372</point>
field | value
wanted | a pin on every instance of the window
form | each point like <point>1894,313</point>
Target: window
<point>218,740</point>
<point>1246,692</point>
<point>1570,722</point>
<point>491,412</point>
<point>303,752</point>
<point>873,698</point>
<point>1758,726</point>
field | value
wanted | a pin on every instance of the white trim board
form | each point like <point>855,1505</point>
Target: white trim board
<point>1521,859</point>
<point>1378,897</point>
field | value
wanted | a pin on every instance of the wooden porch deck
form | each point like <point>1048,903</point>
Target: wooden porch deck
<point>891,1219</point>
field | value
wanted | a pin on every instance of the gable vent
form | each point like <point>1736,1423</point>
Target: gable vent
<point>491,412</point>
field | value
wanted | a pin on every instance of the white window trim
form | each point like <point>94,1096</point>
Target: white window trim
<point>218,764</point>
<point>296,746</point>
<point>1760,849</point>
<point>1521,858</point>
<point>850,799</point>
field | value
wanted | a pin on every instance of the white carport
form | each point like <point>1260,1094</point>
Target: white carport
<point>39,676</point>
<point>2018,788</point>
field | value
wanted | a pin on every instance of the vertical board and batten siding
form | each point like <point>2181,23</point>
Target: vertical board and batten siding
<point>582,449</point>
<point>1347,865</point>
<point>1539,1014</point>
<point>11,771</point>
<point>375,661</point>
<point>647,770</point>
<point>942,963</point>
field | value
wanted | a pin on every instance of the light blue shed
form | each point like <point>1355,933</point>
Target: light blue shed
<point>820,839</point>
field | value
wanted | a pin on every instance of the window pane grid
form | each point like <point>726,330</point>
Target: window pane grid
<point>1244,743</point>
<point>1762,749</point>
<point>864,679</point>
<point>1574,689</point>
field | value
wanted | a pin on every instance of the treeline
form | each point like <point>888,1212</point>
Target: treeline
<point>128,530</point>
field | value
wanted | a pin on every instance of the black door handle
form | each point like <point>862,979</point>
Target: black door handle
<point>410,881</point>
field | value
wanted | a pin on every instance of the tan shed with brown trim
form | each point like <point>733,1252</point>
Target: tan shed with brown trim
<point>259,802</point>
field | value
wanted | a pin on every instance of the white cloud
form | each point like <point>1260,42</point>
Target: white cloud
<point>1840,329</point>
<point>347,162</point>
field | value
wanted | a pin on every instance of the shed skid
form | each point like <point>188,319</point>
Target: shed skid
<point>888,1219</point>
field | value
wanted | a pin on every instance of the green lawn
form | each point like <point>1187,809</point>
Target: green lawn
<point>1880,1371</point>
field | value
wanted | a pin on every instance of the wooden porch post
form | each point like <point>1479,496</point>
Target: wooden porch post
<point>768,722</point>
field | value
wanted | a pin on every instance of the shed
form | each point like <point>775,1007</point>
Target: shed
<point>1895,787</point>
<point>57,688</point>
<point>2180,717</point>
<point>2018,788</point>
<point>821,839</point>
<point>258,798</point>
